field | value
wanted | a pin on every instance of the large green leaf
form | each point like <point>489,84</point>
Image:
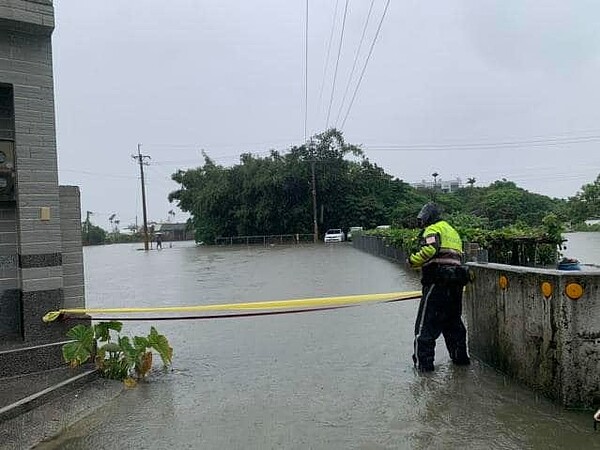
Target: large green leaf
<point>79,351</point>
<point>102,329</point>
<point>161,344</point>
<point>140,342</point>
<point>132,354</point>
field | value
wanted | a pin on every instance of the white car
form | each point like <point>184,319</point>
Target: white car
<point>334,235</point>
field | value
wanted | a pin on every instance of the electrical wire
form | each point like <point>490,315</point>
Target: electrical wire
<point>306,75</point>
<point>196,147</point>
<point>326,65</point>
<point>362,74</point>
<point>362,39</point>
<point>337,63</point>
<point>507,145</point>
<point>102,174</point>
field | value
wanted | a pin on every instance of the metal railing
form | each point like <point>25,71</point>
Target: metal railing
<point>265,240</point>
<point>377,245</point>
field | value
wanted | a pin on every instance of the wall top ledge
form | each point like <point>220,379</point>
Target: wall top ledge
<point>586,270</point>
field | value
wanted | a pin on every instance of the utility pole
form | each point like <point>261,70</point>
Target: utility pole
<point>314,199</point>
<point>141,159</point>
<point>314,193</point>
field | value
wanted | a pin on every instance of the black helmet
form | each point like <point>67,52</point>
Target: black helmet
<point>430,213</point>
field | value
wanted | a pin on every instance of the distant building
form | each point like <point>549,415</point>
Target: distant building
<point>440,185</point>
<point>174,231</point>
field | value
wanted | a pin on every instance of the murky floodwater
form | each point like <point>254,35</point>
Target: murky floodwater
<point>583,246</point>
<point>326,380</point>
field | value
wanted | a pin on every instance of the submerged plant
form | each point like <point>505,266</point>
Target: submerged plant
<point>117,357</point>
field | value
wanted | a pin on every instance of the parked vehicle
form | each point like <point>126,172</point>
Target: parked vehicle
<point>334,235</point>
<point>353,230</point>
<point>383,227</point>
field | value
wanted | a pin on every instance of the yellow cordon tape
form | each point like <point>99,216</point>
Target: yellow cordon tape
<point>324,302</point>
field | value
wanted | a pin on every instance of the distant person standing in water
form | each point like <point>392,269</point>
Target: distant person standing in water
<point>443,279</point>
<point>158,241</point>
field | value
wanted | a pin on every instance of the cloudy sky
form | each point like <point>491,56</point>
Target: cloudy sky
<point>467,88</point>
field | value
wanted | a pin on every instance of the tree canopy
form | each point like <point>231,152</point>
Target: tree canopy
<point>586,203</point>
<point>272,195</point>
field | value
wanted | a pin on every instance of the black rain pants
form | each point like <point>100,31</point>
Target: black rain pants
<point>440,313</point>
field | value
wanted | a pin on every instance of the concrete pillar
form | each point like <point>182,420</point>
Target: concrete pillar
<point>72,251</point>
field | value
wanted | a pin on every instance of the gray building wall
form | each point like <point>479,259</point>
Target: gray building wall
<point>72,251</point>
<point>10,293</point>
<point>552,343</point>
<point>32,264</point>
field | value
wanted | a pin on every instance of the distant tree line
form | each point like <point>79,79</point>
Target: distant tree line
<point>272,195</point>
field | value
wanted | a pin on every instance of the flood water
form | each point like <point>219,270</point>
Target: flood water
<point>325,380</point>
<point>583,246</point>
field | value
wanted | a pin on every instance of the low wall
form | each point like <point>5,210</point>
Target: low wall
<point>533,325</point>
<point>377,246</point>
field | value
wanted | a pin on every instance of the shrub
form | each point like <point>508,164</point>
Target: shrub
<point>117,357</point>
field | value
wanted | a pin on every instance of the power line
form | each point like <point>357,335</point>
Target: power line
<point>362,74</point>
<point>362,39</point>
<point>100,174</point>
<point>540,169</point>
<point>590,134</point>
<point>306,75</point>
<point>507,145</point>
<point>326,66</point>
<point>337,63</point>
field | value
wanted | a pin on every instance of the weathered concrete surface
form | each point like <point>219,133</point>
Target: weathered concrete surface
<point>550,343</point>
<point>23,393</point>
<point>50,419</point>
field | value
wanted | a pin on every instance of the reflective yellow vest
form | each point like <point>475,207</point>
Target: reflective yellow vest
<point>439,243</point>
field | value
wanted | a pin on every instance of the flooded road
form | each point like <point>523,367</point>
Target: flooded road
<point>325,380</point>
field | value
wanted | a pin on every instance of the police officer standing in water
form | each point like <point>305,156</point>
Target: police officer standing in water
<point>443,279</point>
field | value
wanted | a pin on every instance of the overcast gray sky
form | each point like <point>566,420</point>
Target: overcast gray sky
<point>228,77</point>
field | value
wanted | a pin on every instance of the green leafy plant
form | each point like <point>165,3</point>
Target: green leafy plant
<point>117,357</point>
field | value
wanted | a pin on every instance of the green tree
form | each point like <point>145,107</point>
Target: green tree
<point>272,194</point>
<point>586,203</point>
<point>92,234</point>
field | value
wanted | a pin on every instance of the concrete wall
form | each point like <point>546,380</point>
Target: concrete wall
<point>551,343</point>
<point>72,252</point>
<point>28,13</point>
